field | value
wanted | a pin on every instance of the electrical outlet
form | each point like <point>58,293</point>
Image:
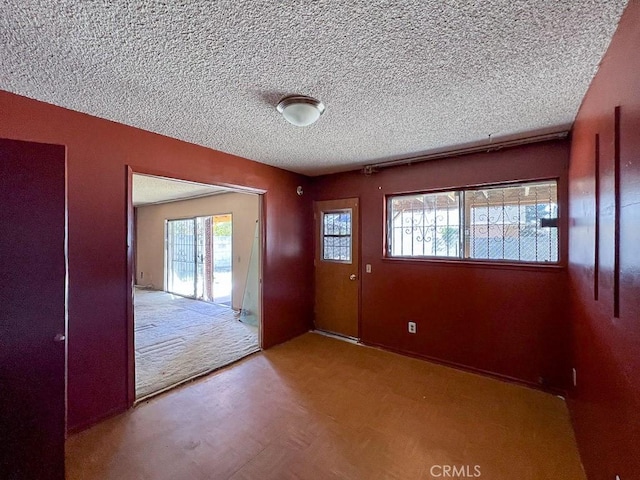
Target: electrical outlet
<point>412,327</point>
<point>575,377</point>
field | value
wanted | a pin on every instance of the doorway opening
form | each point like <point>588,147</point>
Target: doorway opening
<point>196,264</point>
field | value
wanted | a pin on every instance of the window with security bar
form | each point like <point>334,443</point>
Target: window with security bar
<point>516,223</point>
<point>336,236</point>
<point>425,225</point>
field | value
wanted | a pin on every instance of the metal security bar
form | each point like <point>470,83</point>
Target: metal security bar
<point>336,236</point>
<point>506,223</point>
<point>513,222</point>
<point>425,225</point>
<point>201,249</point>
<point>181,256</point>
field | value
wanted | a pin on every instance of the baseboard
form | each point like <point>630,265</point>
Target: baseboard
<point>466,368</point>
<point>94,421</point>
<point>344,338</point>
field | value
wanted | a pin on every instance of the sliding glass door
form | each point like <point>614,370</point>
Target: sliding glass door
<point>182,253</point>
<point>221,259</point>
<point>198,257</point>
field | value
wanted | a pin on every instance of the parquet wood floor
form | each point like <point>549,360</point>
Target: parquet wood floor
<point>318,408</point>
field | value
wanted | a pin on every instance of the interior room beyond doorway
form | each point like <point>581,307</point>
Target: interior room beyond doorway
<point>197,266</point>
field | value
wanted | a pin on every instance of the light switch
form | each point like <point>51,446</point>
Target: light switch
<point>367,268</point>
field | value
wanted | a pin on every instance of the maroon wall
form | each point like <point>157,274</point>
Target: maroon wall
<point>506,320</point>
<point>606,403</point>
<point>97,154</point>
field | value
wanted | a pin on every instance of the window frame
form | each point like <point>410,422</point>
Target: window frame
<point>388,227</point>
<point>462,257</point>
<point>348,210</point>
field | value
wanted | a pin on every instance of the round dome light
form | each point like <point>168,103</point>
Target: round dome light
<point>300,110</point>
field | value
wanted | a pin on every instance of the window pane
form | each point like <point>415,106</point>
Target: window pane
<point>500,223</point>
<point>424,225</point>
<point>336,236</point>
<point>337,248</point>
<point>337,223</point>
<point>504,223</point>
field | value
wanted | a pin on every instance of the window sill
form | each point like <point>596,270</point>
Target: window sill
<point>505,265</point>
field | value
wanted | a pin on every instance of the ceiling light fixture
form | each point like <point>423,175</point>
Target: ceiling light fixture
<point>300,110</point>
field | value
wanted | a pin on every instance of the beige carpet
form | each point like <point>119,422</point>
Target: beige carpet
<point>178,338</point>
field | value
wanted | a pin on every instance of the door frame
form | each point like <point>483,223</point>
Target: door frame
<point>317,225</point>
<point>130,245</point>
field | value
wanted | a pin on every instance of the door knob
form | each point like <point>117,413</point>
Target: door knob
<point>352,276</point>
<point>59,338</point>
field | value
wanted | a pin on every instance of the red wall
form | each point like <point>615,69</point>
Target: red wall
<point>505,320</point>
<point>97,154</point>
<point>606,403</point>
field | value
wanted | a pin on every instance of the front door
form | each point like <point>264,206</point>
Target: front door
<point>32,316</point>
<point>337,267</point>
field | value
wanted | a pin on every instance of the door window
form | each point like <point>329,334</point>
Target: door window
<point>336,236</point>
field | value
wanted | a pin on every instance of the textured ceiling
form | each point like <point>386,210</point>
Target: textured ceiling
<point>148,190</point>
<point>398,78</point>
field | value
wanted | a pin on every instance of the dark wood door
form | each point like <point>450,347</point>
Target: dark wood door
<point>33,307</point>
<point>337,267</point>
